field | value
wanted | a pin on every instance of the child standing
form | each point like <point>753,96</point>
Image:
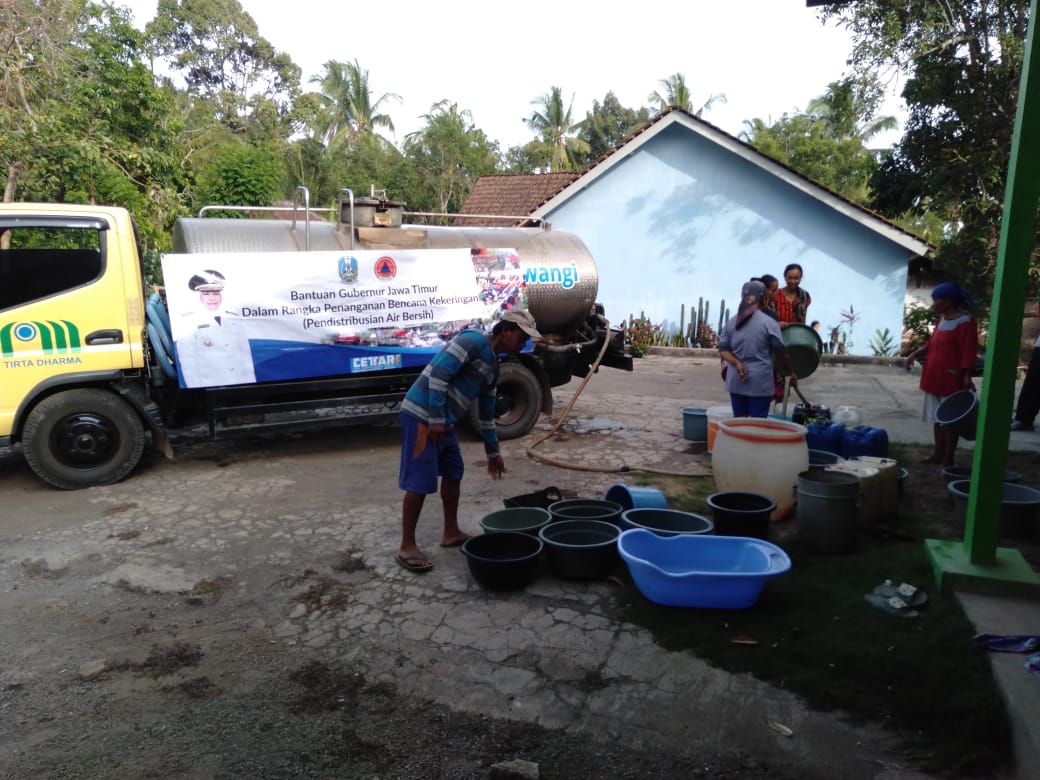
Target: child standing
<point>950,359</point>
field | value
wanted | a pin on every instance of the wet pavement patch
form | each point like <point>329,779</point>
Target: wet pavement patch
<point>325,688</point>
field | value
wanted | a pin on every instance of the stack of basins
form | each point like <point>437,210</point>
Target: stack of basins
<point>581,541</point>
<point>505,556</point>
<point>1019,504</point>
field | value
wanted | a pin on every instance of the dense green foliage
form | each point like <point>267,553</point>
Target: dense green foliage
<point>608,124</point>
<point>201,107</point>
<point>961,63</point>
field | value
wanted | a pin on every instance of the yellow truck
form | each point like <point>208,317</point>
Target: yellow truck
<point>337,317</point>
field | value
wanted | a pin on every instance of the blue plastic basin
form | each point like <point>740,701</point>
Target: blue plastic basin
<point>717,572</point>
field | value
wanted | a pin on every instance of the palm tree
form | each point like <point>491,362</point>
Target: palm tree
<point>677,94</point>
<point>347,99</point>
<point>848,110</point>
<point>554,126</point>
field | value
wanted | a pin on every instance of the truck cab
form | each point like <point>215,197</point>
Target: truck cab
<point>71,340</point>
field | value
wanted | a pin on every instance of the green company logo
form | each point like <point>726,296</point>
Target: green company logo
<point>50,337</point>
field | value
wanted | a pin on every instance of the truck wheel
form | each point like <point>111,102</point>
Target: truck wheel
<point>519,401</point>
<point>79,438</point>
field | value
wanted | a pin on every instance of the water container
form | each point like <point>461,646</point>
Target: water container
<point>848,416</point>
<point>1019,507</point>
<point>755,455</point>
<point>960,412</point>
<point>951,473</point>
<point>586,509</point>
<point>888,479</point>
<point>715,415</point>
<point>870,512</point>
<point>695,423</point>
<point>904,480</point>
<point>864,440</point>
<point>819,459</point>
<point>824,436</point>
<point>828,507</point>
<point>741,514</point>
<point>631,497</point>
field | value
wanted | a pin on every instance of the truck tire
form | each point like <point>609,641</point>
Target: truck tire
<point>517,404</point>
<point>79,438</point>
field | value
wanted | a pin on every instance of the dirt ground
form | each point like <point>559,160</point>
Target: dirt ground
<point>111,670</point>
<point>195,621</point>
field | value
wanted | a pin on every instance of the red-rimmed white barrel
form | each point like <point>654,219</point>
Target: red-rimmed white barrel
<point>760,455</point>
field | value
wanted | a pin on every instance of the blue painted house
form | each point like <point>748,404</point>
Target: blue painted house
<point>682,211</point>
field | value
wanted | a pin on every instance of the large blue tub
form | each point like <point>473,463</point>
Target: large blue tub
<point>720,572</point>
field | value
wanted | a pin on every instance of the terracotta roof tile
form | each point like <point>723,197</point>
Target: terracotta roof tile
<point>514,195</point>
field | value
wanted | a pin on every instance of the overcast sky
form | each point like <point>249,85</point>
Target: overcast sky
<point>767,56</point>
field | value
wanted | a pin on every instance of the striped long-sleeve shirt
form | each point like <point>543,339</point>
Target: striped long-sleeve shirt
<point>465,369</point>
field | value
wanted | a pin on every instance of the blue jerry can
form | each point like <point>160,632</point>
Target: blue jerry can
<point>826,436</point>
<point>864,440</point>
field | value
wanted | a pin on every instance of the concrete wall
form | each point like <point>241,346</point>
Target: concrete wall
<point>683,219</point>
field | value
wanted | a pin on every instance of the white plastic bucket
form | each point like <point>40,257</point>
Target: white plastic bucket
<point>760,455</point>
<point>717,414</point>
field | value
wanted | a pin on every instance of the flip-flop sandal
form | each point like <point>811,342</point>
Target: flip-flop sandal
<point>1033,663</point>
<point>892,605</point>
<point>456,543</point>
<point>414,563</point>
<point>1011,643</point>
<point>913,597</point>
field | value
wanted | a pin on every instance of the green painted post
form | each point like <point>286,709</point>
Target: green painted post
<point>979,557</point>
<point>1009,297</point>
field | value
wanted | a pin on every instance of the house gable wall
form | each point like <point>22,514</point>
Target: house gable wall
<point>682,219</point>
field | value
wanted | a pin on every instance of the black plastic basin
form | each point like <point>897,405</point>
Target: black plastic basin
<point>506,560</point>
<point>581,549</point>
<point>666,522</point>
<point>586,509</point>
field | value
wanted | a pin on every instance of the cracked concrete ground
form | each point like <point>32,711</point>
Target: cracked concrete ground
<point>270,552</point>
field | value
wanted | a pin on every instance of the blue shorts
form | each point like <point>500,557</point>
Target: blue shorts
<point>439,459</point>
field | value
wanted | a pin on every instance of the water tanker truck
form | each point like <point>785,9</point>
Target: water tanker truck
<point>265,324</point>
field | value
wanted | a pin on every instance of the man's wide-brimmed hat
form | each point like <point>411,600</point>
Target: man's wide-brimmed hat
<point>524,320</point>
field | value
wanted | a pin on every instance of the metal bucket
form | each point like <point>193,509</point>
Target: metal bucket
<point>827,511</point>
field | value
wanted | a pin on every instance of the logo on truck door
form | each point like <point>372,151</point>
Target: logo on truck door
<point>48,337</point>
